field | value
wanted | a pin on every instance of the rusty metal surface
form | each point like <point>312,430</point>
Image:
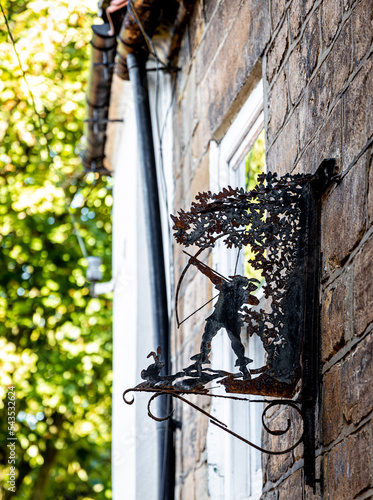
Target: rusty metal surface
<point>270,219</point>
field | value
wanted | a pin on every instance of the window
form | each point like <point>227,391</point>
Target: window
<point>234,467</point>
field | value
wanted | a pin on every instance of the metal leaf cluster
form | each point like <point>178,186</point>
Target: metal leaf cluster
<point>269,219</point>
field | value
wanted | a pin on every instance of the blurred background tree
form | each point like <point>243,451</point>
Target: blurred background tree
<point>55,340</point>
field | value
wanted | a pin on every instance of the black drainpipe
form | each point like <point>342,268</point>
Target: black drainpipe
<point>137,75</point>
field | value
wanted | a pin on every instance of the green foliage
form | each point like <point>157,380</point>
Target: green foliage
<point>255,165</point>
<point>55,340</point>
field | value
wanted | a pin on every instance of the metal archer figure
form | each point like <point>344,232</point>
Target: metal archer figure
<point>234,294</point>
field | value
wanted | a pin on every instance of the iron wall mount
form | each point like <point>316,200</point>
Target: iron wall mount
<point>281,221</point>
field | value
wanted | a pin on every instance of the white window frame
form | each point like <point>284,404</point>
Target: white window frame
<point>234,468</point>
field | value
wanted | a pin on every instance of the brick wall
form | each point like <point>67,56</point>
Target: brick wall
<point>316,61</point>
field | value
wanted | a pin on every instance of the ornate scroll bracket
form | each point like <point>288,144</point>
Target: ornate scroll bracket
<point>280,221</point>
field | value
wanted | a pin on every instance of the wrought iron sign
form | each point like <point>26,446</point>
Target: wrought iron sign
<point>280,221</point>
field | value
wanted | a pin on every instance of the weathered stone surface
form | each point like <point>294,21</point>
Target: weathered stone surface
<point>277,104</point>
<point>282,154</point>
<point>278,464</point>
<point>356,382</point>
<point>362,20</point>
<point>311,44</point>
<point>304,58</point>
<point>277,11</point>
<point>330,19</point>
<point>341,59</point>
<point>199,141</point>
<point>191,452</point>
<point>295,18</point>
<point>370,192</point>
<point>325,96</point>
<point>363,286</point>
<point>292,487</point>
<point>208,8</point>
<point>307,162</point>
<point>213,38</point>
<point>309,118</point>
<point>269,495</point>
<point>341,232</point>
<point>188,109</point>
<point>237,56</point>
<point>295,73</point>
<point>329,136</point>
<point>277,51</point>
<point>201,483</point>
<point>331,405</point>
<point>349,466</point>
<point>358,118</point>
<point>188,488</point>
<point>332,320</point>
<point>201,178</point>
<point>196,26</point>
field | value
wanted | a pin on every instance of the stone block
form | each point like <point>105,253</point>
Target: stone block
<point>190,451</point>
<point>356,382</point>
<point>281,156</point>
<point>269,495</point>
<point>210,43</point>
<point>277,465</point>
<point>295,74</point>
<point>331,420</point>
<point>236,58</point>
<point>188,109</point>
<point>340,55</point>
<point>307,162</point>
<point>183,62</point>
<point>292,487</point>
<point>277,11</point>
<point>333,320</point>
<point>277,51</point>
<point>309,118</point>
<point>325,96</point>
<point>188,488</point>
<point>349,466</point>
<point>311,44</point>
<point>201,178</point>
<point>209,8</point>
<point>295,18</point>
<point>330,19</point>
<point>347,4</point>
<point>231,10</point>
<point>201,483</point>
<point>370,191</point>
<point>329,136</point>
<point>303,60</point>
<point>199,141</point>
<point>358,118</point>
<point>362,20</point>
<point>277,106</point>
<point>341,231</point>
<point>363,286</point>
<point>196,26</point>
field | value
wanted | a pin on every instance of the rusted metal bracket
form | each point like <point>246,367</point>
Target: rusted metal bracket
<point>280,221</point>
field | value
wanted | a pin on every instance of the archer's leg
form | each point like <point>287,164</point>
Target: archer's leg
<point>211,329</point>
<point>239,350</point>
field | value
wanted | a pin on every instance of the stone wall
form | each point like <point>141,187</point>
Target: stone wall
<point>316,61</point>
<point>318,78</point>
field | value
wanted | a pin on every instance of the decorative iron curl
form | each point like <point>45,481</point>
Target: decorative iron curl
<point>279,432</point>
<point>180,395</point>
